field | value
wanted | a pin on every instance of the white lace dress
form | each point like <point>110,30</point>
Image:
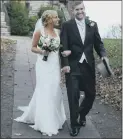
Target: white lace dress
<point>46,109</point>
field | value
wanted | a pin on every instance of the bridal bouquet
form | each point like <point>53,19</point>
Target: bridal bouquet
<point>48,44</point>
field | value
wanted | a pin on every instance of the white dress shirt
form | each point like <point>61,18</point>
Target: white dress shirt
<point>81,27</point>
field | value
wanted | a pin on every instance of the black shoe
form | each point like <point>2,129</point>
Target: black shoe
<point>74,131</point>
<point>82,121</point>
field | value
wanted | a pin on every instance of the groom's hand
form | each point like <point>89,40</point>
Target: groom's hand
<point>102,58</point>
<point>66,69</point>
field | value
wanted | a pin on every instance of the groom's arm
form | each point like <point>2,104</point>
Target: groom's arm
<point>64,42</point>
<point>98,44</point>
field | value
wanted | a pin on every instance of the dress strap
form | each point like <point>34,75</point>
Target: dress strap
<point>57,32</point>
<point>42,31</point>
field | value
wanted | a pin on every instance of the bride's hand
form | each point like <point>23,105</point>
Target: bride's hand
<point>42,52</point>
<point>66,53</point>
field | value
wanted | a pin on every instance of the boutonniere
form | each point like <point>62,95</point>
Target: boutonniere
<point>89,22</point>
<point>92,24</point>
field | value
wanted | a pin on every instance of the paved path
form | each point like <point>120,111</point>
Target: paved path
<point>24,80</point>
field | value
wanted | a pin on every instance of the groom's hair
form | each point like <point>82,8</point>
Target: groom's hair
<point>75,3</point>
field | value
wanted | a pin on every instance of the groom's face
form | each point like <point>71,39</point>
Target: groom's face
<point>79,11</point>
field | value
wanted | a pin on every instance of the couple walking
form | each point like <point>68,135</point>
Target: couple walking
<point>78,37</point>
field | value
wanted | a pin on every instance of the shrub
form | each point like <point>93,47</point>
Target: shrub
<point>18,18</point>
<point>31,23</point>
<point>42,9</point>
<point>61,17</point>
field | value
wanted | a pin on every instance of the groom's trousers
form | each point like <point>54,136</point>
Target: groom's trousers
<point>74,83</point>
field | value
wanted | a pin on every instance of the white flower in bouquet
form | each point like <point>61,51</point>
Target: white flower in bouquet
<point>48,44</point>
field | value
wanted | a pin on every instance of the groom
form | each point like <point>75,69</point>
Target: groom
<point>78,37</point>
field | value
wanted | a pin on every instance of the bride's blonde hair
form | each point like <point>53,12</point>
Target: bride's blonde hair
<point>47,16</point>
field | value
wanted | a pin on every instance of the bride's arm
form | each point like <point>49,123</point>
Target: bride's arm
<point>35,41</point>
<point>64,53</point>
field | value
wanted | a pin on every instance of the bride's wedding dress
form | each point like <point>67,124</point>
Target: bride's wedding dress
<point>46,109</point>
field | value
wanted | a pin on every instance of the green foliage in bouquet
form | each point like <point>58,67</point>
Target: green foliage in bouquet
<point>51,46</point>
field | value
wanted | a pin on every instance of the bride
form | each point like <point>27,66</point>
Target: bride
<point>46,110</point>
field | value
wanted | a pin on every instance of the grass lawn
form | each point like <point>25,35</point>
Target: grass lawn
<point>114,51</point>
<point>110,89</point>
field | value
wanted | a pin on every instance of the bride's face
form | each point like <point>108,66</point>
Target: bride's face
<point>55,19</point>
